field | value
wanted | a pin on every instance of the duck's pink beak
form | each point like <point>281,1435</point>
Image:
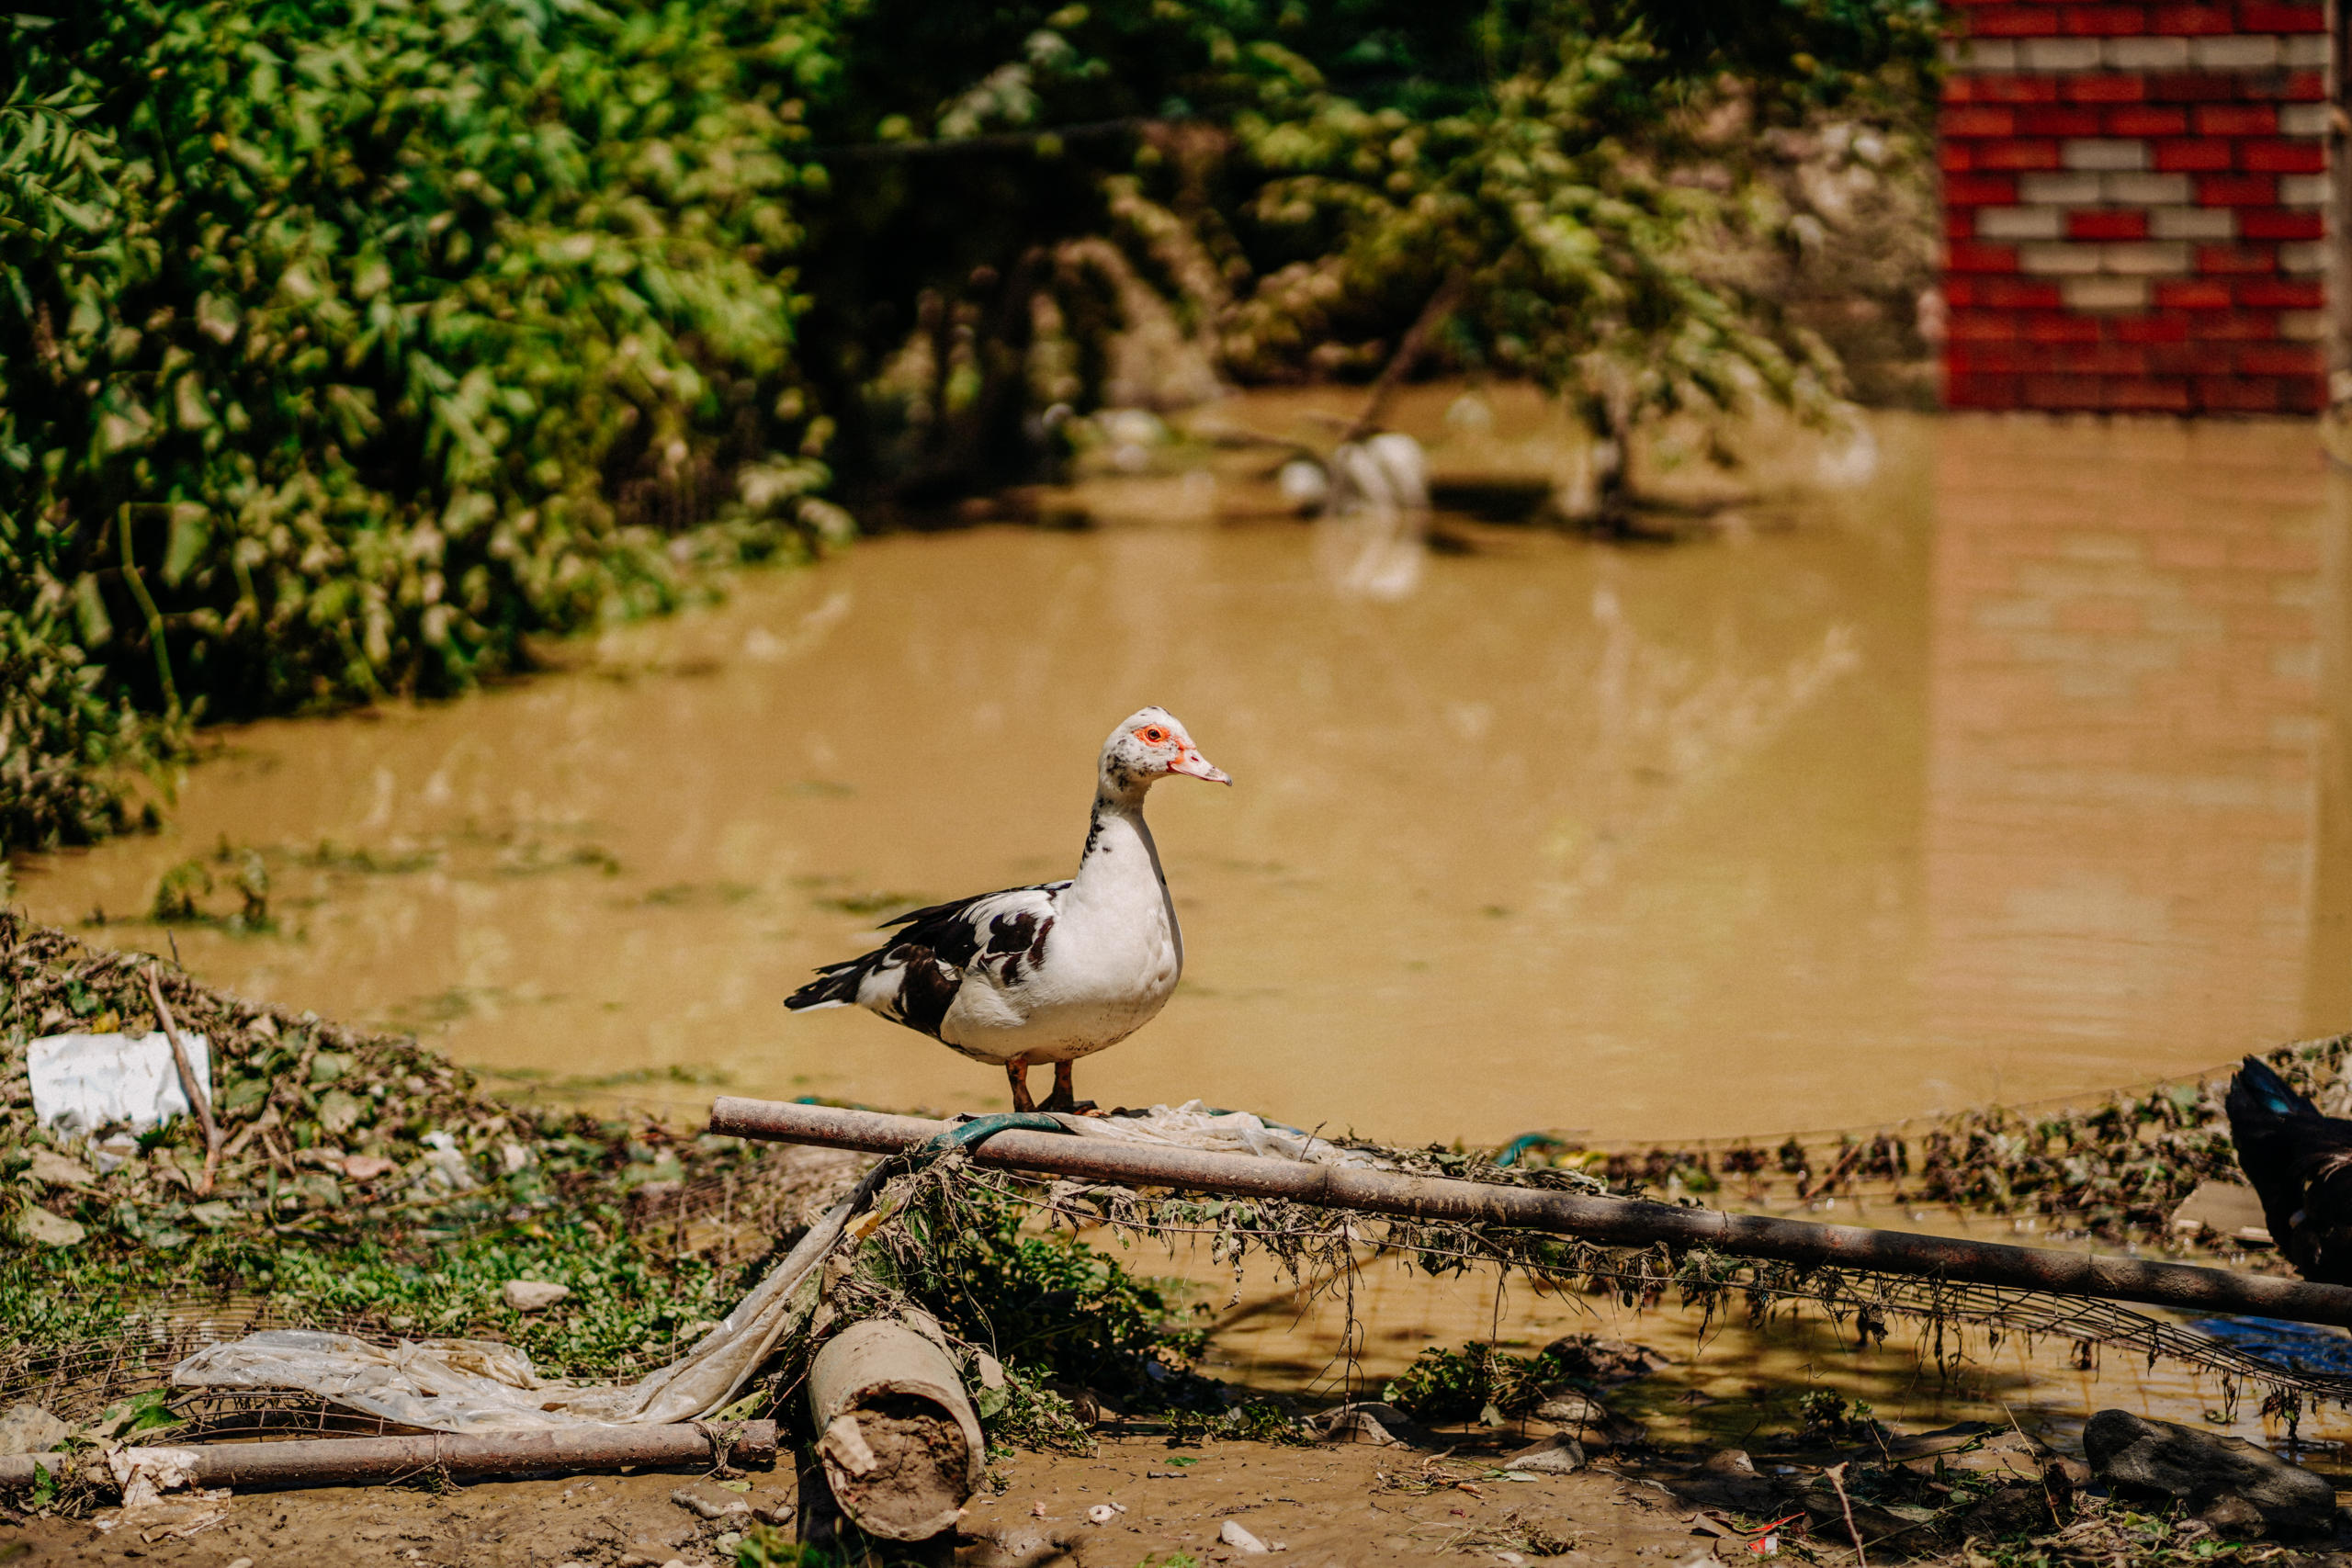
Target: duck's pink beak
<point>1193,765</point>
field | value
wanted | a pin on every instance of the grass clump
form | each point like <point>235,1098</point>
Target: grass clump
<point>1476,1381</point>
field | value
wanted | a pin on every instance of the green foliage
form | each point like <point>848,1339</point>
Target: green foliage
<point>1049,1306</point>
<point>345,345</point>
<point>1291,187</point>
<point>1477,1380</point>
<point>1824,1416</point>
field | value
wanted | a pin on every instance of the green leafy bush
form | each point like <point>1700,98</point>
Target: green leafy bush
<point>345,345</point>
<point>1477,1380</point>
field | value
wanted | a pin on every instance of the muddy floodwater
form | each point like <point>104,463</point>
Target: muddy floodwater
<point>1981,760</point>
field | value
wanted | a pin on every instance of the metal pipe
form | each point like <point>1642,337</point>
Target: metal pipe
<point>1615,1220</point>
<point>330,1461</point>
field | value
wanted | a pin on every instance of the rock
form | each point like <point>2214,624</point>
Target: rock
<point>532,1295</point>
<point>1555,1455</point>
<point>57,1170</point>
<point>1588,1420</point>
<point>1907,1522</point>
<point>29,1429</point>
<point>710,1507</point>
<point>2235,1518</point>
<point>1727,1480</point>
<point>2008,1510</point>
<point>1241,1540</point>
<point>1591,1358</point>
<point>1983,1447</point>
<point>2157,1458</point>
<point>38,1225</point>
<point>1371,1422</point>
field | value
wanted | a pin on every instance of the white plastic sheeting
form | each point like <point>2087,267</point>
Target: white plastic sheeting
<point>83,1082</point>
<point>468,1385</point>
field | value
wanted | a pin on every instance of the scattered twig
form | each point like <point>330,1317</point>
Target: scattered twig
<point>1837,1474</point>
<point>201,1102</point>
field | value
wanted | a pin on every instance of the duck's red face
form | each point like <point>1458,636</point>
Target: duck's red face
<point>1153,744</point>
<point>1173,750</point>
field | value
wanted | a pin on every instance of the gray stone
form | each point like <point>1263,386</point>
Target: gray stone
<point>1555,1455</point>
<point>1588,1420</point>
<point>1371,1422</point>
<point>1596,1358</point>
<point>29,1429</point>
<point>2009,1511</point>
<point>1727,1480</point>
<point>2134,1455</point>
<point>2235,1518</point>
<point>532,1295</point>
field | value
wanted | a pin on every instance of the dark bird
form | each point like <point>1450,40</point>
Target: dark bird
<point>2300,1165</point>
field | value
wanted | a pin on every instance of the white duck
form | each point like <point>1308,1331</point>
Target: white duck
<point>1050,973</point>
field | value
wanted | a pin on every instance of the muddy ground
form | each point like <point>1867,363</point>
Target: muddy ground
<point>1356,1505</point>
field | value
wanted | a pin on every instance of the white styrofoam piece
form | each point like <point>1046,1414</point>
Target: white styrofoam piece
<point>83,1082</point>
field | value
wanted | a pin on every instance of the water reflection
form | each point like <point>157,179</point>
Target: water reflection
<point>2014,767</point>
<point>2136,799</point>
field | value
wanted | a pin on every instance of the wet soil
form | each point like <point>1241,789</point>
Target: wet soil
<point>1353,1504</point>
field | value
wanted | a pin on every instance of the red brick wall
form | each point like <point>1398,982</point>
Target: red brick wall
<point>2135,205</point>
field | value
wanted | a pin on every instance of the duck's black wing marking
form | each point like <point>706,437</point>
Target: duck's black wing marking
<point>913,979</point>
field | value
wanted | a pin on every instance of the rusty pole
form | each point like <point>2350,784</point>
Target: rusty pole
<point>333,1461</point>
<point>1615,1220</point>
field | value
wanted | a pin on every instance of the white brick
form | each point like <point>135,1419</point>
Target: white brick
<point>2145,258</point>
<point>1989,54</point>
<point>2146,190</point>
<point>2304,48</point>
<point>2058,53</point>
<point>2058,190</point>
<point>2105,293</point>
<point>2303,190</point>
<point>2302,119</point>
<point>2058,261</point>
<point>2303,326</point>
<point>2145,54</point>
<point>2234,51</point>
<point>2019,223</point>
<point>2103,153</point>
<point>2303,257</point>
<point>2193,223</point>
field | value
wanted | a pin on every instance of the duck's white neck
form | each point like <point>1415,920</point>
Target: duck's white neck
<point>1121,865</point>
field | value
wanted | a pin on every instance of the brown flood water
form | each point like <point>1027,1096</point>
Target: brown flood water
<point>2014,769</point>
<point>2009,768</point>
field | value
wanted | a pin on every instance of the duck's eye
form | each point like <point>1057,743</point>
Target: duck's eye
<point>1153,735</point>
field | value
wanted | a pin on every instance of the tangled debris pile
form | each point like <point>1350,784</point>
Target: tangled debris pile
<point>363,1183</point>
<point>2116,1171</point>
<point>330,1132</point>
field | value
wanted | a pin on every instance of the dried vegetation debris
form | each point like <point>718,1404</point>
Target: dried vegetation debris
<point>2118,1172</point>
<point>364,1184</point>
<point>329,1129</point>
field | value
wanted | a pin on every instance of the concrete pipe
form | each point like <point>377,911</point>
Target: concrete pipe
<point>901,1443</point>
